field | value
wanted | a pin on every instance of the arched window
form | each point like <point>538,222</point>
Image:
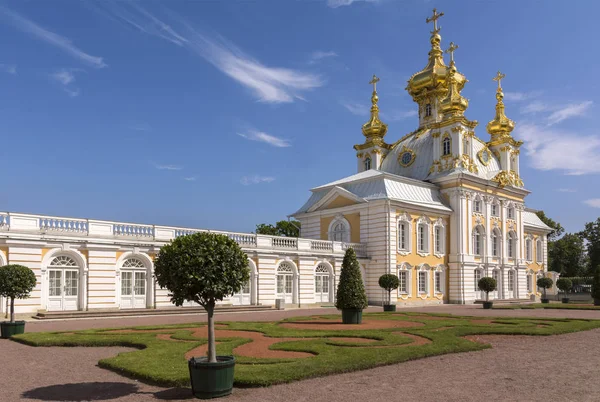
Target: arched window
<point>512,244</point>
<point>511,281</point>
<point>368,163</point>
<point>322,284</point>
<point>133,284</point>
<point>63,283</point>
<point>478,236</point>
<point>339,230</point>
<point>285,282</point>
<point>539,255</point>
<point>528,249</point>
<point>446,146</point>
<point>495,243</point>
<point>428,110</point>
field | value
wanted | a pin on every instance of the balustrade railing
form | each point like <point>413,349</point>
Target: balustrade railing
<point>321,245</point>
<point>4,220</point>
<point>64,225</point>
<point>359,248</point>
<point>284,242</point>
<point>133,230</point>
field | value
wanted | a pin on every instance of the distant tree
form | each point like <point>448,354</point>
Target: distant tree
<point>281,228</point>
<point>564,284</point>
<point>591,234</point>
<point>567,255</point>
<point>557,229</point>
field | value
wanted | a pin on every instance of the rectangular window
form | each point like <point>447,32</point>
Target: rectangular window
<point>325,280</point>
<point>528,249</point>
<point>246,288</point>
<point>438,240</point>
<point>422,282</point>
<point>318,284</point>
<point>494,210</point>
<point>511,213</point>
<point>140,283</point>
<point>477,206</point>
<point>288,284</point>
<point>280,280</point>
<point>55,283</point>
<point>538,251</point>
<point>422,246</point>
<point>438,282</point>
<point>510,248</point>
<point>402,277</point>
<point>494,245</point>
<point>477,278</point>
<point>71,283</point>
<point>511,281</point>
<point>529,278</point>
<point>402,236</point>
<point>126,283</point>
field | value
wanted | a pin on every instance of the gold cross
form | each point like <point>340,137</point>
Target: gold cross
<point>434,18</point>
<point>498,78</point>
<point>374,82</point>
<point>451,50</point>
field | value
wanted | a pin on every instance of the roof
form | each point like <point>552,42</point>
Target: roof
<point>532,220</point>
<point>376,185</point>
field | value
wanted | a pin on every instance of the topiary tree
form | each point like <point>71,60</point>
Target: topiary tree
<point>16,282</point>
<point>564,284</point>
<point>596,286</point>
<point>487,285</point>
<point>389,282</point>
<point>545,283</point>
<point>203,268</point>
<point>351,290</point>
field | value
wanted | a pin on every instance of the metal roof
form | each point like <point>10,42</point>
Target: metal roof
<point>532,220</point>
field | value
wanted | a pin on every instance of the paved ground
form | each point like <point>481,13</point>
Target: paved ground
<point>515,369</point>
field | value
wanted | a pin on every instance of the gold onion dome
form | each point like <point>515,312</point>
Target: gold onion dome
<point>501,126</point>
<point>454,102</point>
<point>434,75</point>
<point>374,129</point>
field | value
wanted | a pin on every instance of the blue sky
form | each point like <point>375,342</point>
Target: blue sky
<point>224,114</point>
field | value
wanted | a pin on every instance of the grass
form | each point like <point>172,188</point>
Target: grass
<point>557,306</point>
<point>162,362</point>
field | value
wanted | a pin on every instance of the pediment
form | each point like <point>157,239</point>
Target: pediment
<point>337,197</point>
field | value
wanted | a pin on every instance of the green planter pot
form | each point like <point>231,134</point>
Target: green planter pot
<point>389,307</point>
<point>488,305</point>
<point>565,300</point>
<point>211,380</point>
<point>351,316</point>
<point>596,302</point>
<point>9,329</point>
<point>545,301</point>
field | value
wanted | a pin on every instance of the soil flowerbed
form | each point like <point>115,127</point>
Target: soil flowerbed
<point>276,352</point>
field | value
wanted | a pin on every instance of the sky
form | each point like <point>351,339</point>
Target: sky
<point>223,115</point>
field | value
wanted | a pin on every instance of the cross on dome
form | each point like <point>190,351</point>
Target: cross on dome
<point>451,50</point>
<point>499,76</point>
<point>434,19</point>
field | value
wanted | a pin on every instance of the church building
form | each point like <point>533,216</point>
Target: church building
<point>440,208</point>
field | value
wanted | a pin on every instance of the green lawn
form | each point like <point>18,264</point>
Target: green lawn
<point>559,306</point>
<point>162,361</point>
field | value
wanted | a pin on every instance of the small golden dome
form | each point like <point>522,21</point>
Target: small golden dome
<point>501,126</point>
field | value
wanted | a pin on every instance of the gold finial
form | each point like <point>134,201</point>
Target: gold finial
<point>374,82</point>
<point>451,50</point>
<point>499,76</point>
<point>434,19</point>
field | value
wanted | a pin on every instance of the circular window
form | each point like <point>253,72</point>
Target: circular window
<point>406,158</point>
<point>484,156</point>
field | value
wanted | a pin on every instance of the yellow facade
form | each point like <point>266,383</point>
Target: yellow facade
<point>354,221</point>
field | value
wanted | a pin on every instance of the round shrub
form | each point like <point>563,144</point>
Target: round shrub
<point>564,284</point>
<point>16,282</point>
<point>545,283</point>
<point>351,293</point>
<point>487,285</point>
<point>389,282</point>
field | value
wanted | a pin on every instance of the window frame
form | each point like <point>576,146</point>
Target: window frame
<point>539,251</point>
<point>406,270</point>
<point>332,232</point>
<point>423,239</point>
<point>367,163</point>
<point>446,141</point>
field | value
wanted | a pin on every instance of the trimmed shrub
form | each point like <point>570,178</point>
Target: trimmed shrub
<point>487,285</point>
<point>545,283</point>
<point>389,282</point>
<point>16,282</point>
<point>564,284</point>
<point>351,290</point>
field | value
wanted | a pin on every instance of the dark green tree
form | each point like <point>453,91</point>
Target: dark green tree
<point>487,285</point>
<point>16,282</point>
<point>351,290</point>
<point>591,234</point>
<point>202,268</point>
<point>596,286</point>
<point>545,283</point>
<point>567,255</point>
<point>389,282</point>
<point>281,228</point>
<point>564,284</point>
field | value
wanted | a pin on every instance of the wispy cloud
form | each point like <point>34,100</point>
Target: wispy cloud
<point>189,178</point>
<point>356,108</point>
<point>8,68</point>
<point>594,202</point>
<point>140,127</point>
<point>340,3</point>
<point>255,135</point>
<point>568,111</point>
<point>552,149</point>
<point>256,179</point>
<point>316,57</point>
<point>566,190</point>
<point>54,39</point>
<point>267,84</point>
<point>398,115</point>
<point>521,96</point>
<point>168,167</point>
<point>66,78</point>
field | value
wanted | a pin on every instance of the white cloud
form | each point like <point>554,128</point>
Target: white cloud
<point>594,202</point>
<point>551,149</point>
<point>357,108</point>
<point>566,190</point>
<point>535,107</point>
<point>521,96</point>
<point>320,55</point>
<point>268,84</point>
<point>256,179</point>
<point>72,92</point>
<point>568,111</point>
<point>340,3</point>
<point>8,68</point>
<point>52,38</point>
<point>168,167</point>
<point>63,76</point>
<point>189,178</point>
<point>255,135</point>
<point>398,115</point>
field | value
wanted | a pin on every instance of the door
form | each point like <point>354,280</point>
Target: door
<point>133,289</point>
<point>243,297</point>
<point>322,286</point>
<point>285,287</point>
<point>63,289</point>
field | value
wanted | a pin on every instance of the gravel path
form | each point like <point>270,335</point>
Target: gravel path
<point>516,368</point>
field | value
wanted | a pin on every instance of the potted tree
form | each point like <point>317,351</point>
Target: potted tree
<point>487,285</point>
<point>389,282</point>
<point>351,296</point>
<point>16,282</point>
<point>565,285</point>
<point>596,286</point>
<point>545,283</point>
<point>204,268</point>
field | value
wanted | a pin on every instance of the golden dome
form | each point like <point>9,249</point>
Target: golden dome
<point>374,130</point>
<point>454,103</point>
<point>501,126</point>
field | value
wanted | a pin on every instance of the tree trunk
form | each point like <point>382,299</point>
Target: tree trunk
<point>212,349</point>
<point>12,309</point>
<point>487,296</point>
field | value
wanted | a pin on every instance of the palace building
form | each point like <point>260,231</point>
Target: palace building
<point>440,207</point>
